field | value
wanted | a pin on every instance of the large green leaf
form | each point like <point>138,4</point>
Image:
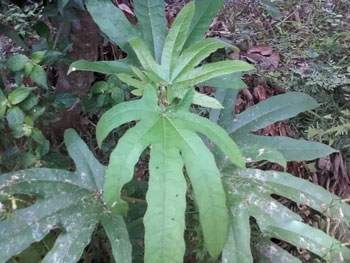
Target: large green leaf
<point>205,11</point>
<point>70,201</point>
<point>152,23</point>
<point>274,109</point>
<point>169,132</point>
<point>292,149</point>
<point>113,23</point>
<point>166,198</point>
<point>249,192</point>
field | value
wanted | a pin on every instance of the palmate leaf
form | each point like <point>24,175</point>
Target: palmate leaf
<point>69,201</point>
<point>205,12</point>
<point>163,57</point>
<point>152,22</point>
<point>249,193</point>
<point>171,133</point>
<point>113,23</point>
<point>274,109</point>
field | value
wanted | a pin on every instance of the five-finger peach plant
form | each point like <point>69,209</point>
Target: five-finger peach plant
<point>163,68</point>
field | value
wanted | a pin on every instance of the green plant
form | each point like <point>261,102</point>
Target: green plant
<point>163,68</point>
<point>24,108</point>
<point>69,201</point>
<point>249,190</point>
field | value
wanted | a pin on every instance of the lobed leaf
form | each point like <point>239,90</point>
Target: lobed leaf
<point>65,200</point>
<point>166,199</point>
<point>269,252</point>
<point>192,56</point>
<point>257,154</point>
<point>249,190</point>
<point>208,189</point>
<point>218,135</point>
<point>128,111</point>
<point>205,12</point>
<point>152,23</point>
<point>122,162</point>
<point>169,131</point>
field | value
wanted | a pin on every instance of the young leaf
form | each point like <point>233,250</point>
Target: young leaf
<point>191,57</point>
<point>206,101</point>
<point>176,38</point>
<point>205,12</point>
<point>152,23</point>
<point>168,132</point>
<point>211,70</point>
<point>16,62</point>
<point>132,82</point>
<point>66,200</point>
<point>152,68</point>
<point>18,95</point>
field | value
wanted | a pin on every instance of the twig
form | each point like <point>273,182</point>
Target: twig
<point>57,35</point>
